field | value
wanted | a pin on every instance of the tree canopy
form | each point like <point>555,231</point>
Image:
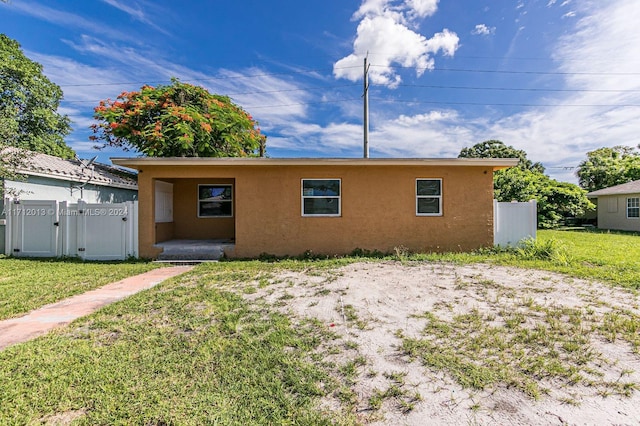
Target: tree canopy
<point>177,120</point>
<point>605,167</point>
<point>556,200</point>
<point>29,104</point>
<point>497,149</point>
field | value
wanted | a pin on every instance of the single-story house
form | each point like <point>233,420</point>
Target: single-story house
<point>326,206</point>
<point>52,178</point>
<point>619,206</point>
<point>45,177</point>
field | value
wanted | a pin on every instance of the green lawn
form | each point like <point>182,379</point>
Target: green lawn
<point>26,284</point>
<point>186,352</point>
<point>192,351</point>
<point>609,257</point>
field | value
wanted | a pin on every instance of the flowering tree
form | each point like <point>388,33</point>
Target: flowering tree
<point>178,120</point>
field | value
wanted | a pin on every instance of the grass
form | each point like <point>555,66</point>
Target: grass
<point>189,351</point>
<point>610,257</point>
<point>523,347</point>
<point>192,351</point>
<point>27,284</point>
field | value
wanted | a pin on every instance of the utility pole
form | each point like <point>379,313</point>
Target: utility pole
<point>366,107</point>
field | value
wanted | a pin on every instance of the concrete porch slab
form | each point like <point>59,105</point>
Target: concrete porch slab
<point>194,250</point>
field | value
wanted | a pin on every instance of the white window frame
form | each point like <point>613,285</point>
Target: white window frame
<point>439,197</point>
<point>636,206</point>
<point>225,201</point>
<point>337,197</point>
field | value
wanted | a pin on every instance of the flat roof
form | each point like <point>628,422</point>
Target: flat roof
<point>137,162</point>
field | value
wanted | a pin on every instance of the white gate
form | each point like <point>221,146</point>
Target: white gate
<point>35,228</point>
<point>89,231</point>
<point>514,222</point>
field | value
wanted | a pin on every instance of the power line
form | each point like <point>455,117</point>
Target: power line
<point>301,103</point>
<point>202,79</point>
<point>468,70</point>
<point>505,104</point>
<point>508,71</point>
<point>519,89</point>
<point>401,101</point>
<point>260,92</point>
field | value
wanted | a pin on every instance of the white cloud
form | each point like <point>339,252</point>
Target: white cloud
<point>423,8</point>
<point>601,53</point>
<point>571,14</point>
<point>136,11</point>
<point>482,29</point>
<point>278,102</point>
<point>65,19</point>
<point>385,35</point>
<point>334,139</point>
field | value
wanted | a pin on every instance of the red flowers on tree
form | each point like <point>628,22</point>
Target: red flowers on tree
<point>178,120</point>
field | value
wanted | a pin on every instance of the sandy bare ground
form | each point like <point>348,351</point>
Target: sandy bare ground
<point>372,307</point>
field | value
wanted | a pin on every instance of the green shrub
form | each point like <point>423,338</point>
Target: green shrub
<point>551,250</point>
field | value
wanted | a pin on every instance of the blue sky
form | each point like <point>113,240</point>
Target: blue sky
<point>556,78</point>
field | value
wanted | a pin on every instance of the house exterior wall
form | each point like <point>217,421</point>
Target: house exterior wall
<point>43,188</point>
<point>378,208</point>
<point>612,213</point>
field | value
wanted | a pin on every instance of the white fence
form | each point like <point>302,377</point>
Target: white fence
<point>46,228</point>
<point>513,222</point>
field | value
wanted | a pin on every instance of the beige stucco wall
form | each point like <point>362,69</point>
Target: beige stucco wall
<point>612,213</point>
<point>378,208</point>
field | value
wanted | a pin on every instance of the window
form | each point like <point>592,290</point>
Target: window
<point>215,201</point>
<point>633,207</point>
<point>429,197</point>
<point>321,197</point>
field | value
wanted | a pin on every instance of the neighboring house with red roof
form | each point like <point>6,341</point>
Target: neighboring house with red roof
<point>619,206</point>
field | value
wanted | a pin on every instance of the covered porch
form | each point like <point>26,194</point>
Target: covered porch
<point>194,218</point>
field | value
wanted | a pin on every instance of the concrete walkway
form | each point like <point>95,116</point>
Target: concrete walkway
<point>42,320</point>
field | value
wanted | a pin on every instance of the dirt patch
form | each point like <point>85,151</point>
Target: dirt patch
<point>62,419</point>
<point>474,344</point>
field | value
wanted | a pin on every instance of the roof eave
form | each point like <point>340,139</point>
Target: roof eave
<point>136,163</point>
<point>78,179</point>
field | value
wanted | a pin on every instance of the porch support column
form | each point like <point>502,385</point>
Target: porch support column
<point>146,216</point>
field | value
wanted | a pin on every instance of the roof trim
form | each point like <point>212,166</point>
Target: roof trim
<point>137,162</point>
<point>88,180</point>
<point>632,187</point>
<point>70,170</point>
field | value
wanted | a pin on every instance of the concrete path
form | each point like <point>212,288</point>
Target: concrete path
<point>42,320</point>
